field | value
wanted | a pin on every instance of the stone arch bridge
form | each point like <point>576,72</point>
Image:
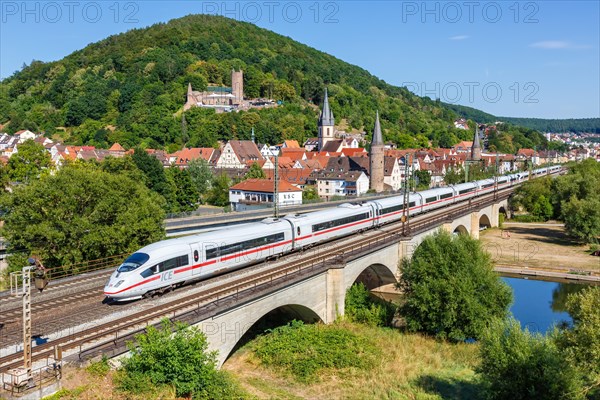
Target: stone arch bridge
<point>321,296</point>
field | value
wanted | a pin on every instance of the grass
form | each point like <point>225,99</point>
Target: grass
<point>407,366</point>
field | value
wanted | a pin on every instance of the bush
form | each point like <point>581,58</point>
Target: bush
<point>451,289</point>
<point>178,359</point>
<point>363,308</point>
<point>518,365</point>
<point>581,342</point>
<point>305,350</point>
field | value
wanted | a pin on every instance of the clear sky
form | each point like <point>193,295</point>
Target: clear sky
<point>521,59</point>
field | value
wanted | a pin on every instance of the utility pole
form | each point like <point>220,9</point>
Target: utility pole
<point>276,187</point>
<point>406,211</point>
<point>25,291</point>
<point>496,177</point>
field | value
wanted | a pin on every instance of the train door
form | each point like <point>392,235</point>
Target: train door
<point>196,258</point>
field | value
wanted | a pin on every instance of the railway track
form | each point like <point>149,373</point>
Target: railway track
<point>201,305</point>
<point>56,288</point>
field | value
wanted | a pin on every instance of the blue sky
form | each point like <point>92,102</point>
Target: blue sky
<point>522,59</point>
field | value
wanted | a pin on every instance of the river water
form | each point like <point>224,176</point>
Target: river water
<point>538,305</point>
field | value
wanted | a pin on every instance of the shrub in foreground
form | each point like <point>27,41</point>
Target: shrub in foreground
<point>175,355</point>
<point>306,350</point>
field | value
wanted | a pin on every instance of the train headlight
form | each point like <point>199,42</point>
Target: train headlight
<point>119,283</point>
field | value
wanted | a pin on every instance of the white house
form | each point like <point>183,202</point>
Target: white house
<point>352,183</point>
<point>257,193</point>
<point>24,135</point>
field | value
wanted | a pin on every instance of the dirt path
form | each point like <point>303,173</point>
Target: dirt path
<point>538,246</point>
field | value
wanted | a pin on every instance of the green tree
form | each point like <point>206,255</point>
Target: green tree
<point>255,172</point>
<point>534,196</point>
<point>424,178</point>
<point>451,289</point>
<point>155,177</point>
<point>454,176</point>
<point>186,194</point>
<point>81,213</point>
<point>310,194</point>
<point>176,355</point>
<point>581,342</point>
<point>29,163</point>
<point>361,307</point>
<point>517,364</point>
<point>201,175</point>
<point>219,191</point>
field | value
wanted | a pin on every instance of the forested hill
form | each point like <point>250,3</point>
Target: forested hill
<point>130,88</point>
<point>589,125</point>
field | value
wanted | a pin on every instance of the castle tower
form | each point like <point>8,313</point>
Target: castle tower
<point>237,86</point>
<point>376,158</point>
<point>476,149</point>
<point>326,123</point>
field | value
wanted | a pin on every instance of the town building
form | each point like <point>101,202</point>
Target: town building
<point>260,193</point>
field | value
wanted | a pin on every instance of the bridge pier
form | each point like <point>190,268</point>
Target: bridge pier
<point>336,294</point>
<point>475,225</point>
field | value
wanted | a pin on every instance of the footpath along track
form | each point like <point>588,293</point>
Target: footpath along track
<point>112,335</point>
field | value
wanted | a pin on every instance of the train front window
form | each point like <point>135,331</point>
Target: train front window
<point>133,262</point>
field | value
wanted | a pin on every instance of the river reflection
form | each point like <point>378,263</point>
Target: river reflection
<point>538,305</point>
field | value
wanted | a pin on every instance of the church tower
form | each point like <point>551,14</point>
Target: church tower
<point>326,124</point>
<point>190,98</point>
<point>376,158</point>
<point>476,149</point>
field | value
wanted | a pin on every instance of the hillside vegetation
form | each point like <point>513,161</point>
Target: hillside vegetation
<point>579,125</point>
<point>130,88</point>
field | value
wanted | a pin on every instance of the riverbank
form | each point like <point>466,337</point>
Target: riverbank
<point>409,366</point>
<point>540,250</point>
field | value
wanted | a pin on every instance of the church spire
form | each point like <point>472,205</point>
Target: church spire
<point>476,149</point>
<point>326,117</point>
<point>377,136</point>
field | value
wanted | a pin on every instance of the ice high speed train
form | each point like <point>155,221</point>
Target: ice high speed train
<point>167,264</point>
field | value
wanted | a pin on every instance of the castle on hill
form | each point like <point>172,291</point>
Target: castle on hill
<point>225,98</point>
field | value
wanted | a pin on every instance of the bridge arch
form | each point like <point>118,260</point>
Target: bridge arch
<point>373,276</point>
<point>484,220</point>
<point>251,327</point>
<point>461,230</point>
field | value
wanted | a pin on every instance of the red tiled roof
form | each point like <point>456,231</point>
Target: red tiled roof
<point>116,147</point>
<point>264,186</point>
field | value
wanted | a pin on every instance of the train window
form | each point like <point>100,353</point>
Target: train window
<point>445,196</point>
<point>411,204</point>
<point>169,264</point>
<point>133,262</point>
<point>245,245</point>
<point>430,199</point>
<point>337,222</point>
<point>388,210</point>
<point>379,212</point>
<point>298,230</point>
<point>148,272</point>
<point>466,191</point>
<point>196,255</point>
<point>488,185</point>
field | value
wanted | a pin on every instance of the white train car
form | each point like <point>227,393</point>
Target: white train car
<point>325,225</point>
<point>464,191</point>
<point>391,209</point>
<point>485,186</point>
<point>170,263</point>
<point>436,198</point>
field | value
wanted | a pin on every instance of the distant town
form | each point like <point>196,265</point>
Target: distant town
<point>335,163</point>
